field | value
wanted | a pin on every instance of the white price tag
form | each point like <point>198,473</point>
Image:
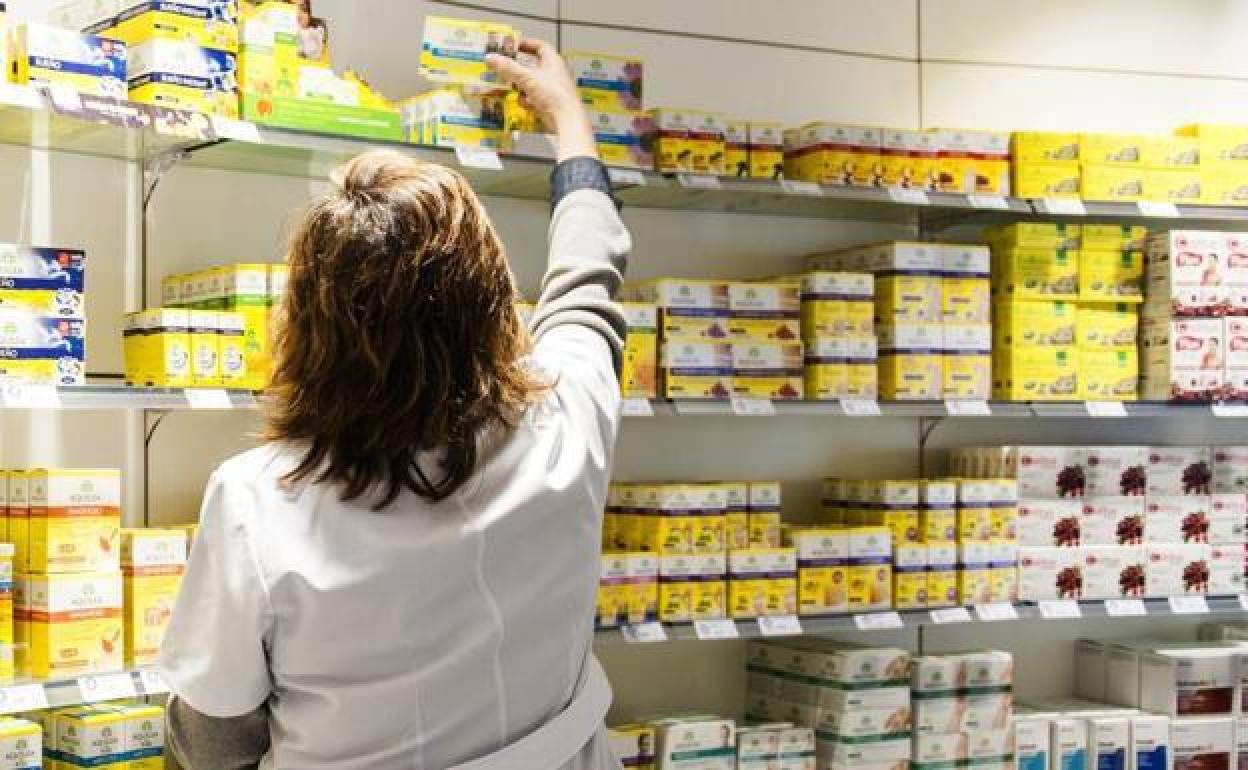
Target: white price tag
<point>23,697</point>
<point>65,98</point>
<point>20,96</point>
<point>906,195</point>
<point>860,407</point>
<point>1188,605</point>
<point>1060,609</point>
<point>645,633</point>
<point>153,683</point>
<point>752,407</point>
<point>1068,206</point>
<point>996,611</point>
<point>951,615</point>
<point>107,687</point>
<point>1125,608</point>
<point>989,202</point>
<point>476,157</point>
<point>636,407</point>
<point>237,130</point>
<point>796,187</point>
<point>208,398</point>
<point>958,408</point>
<point>878,621</point>
<point>1230,410</point>
<point>699,181</point>
<point>626,177</point>
<point>1243,601</point>
<point>17,396</point>
<point>1159,209</point>
<point>722,628</point>
<point>1106,409</point>
<point>780,625</point>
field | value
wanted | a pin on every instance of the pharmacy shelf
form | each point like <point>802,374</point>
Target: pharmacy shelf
<point>122,397</point>
<point>22,696</point>
<point>1212,607</point>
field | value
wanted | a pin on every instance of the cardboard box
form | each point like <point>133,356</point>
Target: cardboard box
<point>1150,743</point>
<point>1176,570</point>
<point>1189,682</point>
<point>1068,744</point>
<point>74,520</point>
<point>1112,521</point>
<point>75,623</point>
<point>1113,572</point>
<point>1180,470</point>
<point>1201,744</point>
<point>1050,523</point>
<point>1049,573</point>
<point>1031,743</point>
<point>1109,740</point>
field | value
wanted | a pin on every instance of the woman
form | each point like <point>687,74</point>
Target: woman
<point>404,576</point>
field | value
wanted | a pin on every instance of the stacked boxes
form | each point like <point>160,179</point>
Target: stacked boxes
<point>611,88</point>
<point>152,564</point>
<point>1046,164</point>
<point>43,55</point>
<point>108,735</point>
<point>838,331</point>
<point>836,154</point>
<point>1123,522</point>
<point>696,742</point>
<point>453,117</point>
<point>171,347</point>
<point>986,523</point>
<point>639,376</point>
<point>1221,151</point>
<point>973,162</point>
<point>963,710</point>
<point>688,141</point>
<point>42,306</point>
<point>1111,167</point>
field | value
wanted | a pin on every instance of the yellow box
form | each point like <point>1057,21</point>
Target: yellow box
<point>74,520</point>
<point>706,142</point>
<point>157,348</point>
<point>766,147</point>
<point>1036,235</point>
<point>1172,152</point>
<point>639,378</point>
<point>20,742</point>
<point>938,525</point>
<point>205,348</point>
<point>75,625</point>
<point>736,147</point>
<point>822,558</point>
<point>902,165</point>
<point>765,310</point>
<point>184,97</point>
<point>1224,184</point>
<point>1107,326</point>
<point>1026,273</point>
<point>1218,142</point>
<point>44,55</point>
<point>1109,375</point>
<point>1036,374</point>
<point>696,370</point>
<point>692,588</point>
<point>764,529</point>
<point>910,576</point>
<point>153,562</point>
<point>1111,276</point>
<point>673,147</point>
<point>910,376</point>
<point>6,605</point>
<point>91,736</point>
<point>966,375</point>
<point>641,595</point>
<point>18,518</point>
<point>1113,183</point>
<point>688,308</point>
<point>966,299</point>
<point>622,138</point>
<point>1044,146</point>
<point>975,523</point>
<point>1113,149</point>
<point>975,584</point>
<point>1174,185</point>
<point>762,582</point>
<point>836,303</point>
<point>1005,522</point>
<point>1047,180</point>
<point>870,569</point>
<point>915,298</point>
<point>841,367</point>
<point>231,330</point>
<point>685,519</point>
<point>839,154</point>
<point>611,602</point>
<point>1027,323</point>
<point>767,369</point>
<point>145,735</point>
<point>454,50</point>
<point>607,81</point>
<point>167,21</point>
<point>1102,237</point>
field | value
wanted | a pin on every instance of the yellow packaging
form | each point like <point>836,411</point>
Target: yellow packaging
<point>1224,184</point>
<point>1218,142</point>
<point>767,369</point>
<point>1047,180</point>
<point>1005,522</point>
<point>185,97</point>
<point>673,146</point>
<point>736,515</point>
<point>822,562</point>
<point>1112,183</point>
<point>153,562</point>
<point>1103,237</point>
<point>966,375</point>
<point>942,574</point>
<point>688,308</point>
<point>609,532</point>
<point>246,291</point>
<point>607,81</point>
<point>736,147</point>
<point>1172,152</point>
<point>1003,571</point>
<point>870,569</point>
<point>612,603</point>
<point>232,336</point>
<point>1037,235</point>
<point>692,588</point>
<point>762,582</point>
<point>687,519</point>
<point>205,348</point>
<point>1109,375</point>
<point>1113,149</point>
<point>911,376</point>
<point>839,154</point>
<point>19,518</point>
<point>965,299</point>
<point>75,625</point>
<point>452,117</point>
<point>764,529</point>
<point>633,745</point>
<point>1107,326</point>
<point>975,523</point>
<point>1174,185</point>
<point>1027,323</point>
<point>74,520</point>
<point>765,310</point>
<point>639,378</point>
<point>21,741</point>
<point>621,138</point>
<point>166,21</point>
<point>915,298</point>
<point>6,607</point>
<point>454,50</point>
<point>641,595</point>
<point>837,304</point>
<point>975,572</point>
<point>1025,273</point>
<point>157,348</point>
<point>145,735</point>
<point>766,149</point>
<point>91,736</point>
<point>696,370</point>
<point>44,55</point>
<point>1036,374</point>
<point>1044,146</point>
<point>1111,276</point>
<point>938,525</point>
<point>909,576</point>
<point>4,507</point>
<point>840,367</point>
<point>899,162</point>
<point>706,142</point>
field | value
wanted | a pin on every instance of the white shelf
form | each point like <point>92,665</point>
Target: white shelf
<point>30,695</point>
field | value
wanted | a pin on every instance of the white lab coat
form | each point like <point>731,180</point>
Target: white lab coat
<point>429,636</point>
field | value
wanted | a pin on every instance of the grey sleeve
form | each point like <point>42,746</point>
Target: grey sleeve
<point>198,742</point>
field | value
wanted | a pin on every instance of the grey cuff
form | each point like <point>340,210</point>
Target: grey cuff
<point>579,173</point>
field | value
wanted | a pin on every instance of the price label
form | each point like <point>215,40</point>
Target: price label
<point>1125,608</point>
<point>17,396</point>
<point>1072,207</point>
<point>645,633</point>
<point>860,407</point>
<point>908,196</point>
<point>107,687</point>
<point>959,408</point>
<point>477,157</point>
<point>1159,209</point>
<point>236,130</point>
<point>1230,410</point>
<point>636,407</point>
<point>1243,601</point>
<point>951,615</point>
<point>709,630</point>
<point>1106,409</point>
<point>753,407</point>
<point>780,625</point>
<point>995,611</point>
<point>1188,605</point>
<point>626,177</point>
<point>153,683</point>
<point>208,398</point>
<point>20,96</point>
<point>795,187</point>
<point>699,181</point>
<point>988,202</point>
<point>64,98</point>
<point>878,621</point>
<point>1060,609</point>
<point>23,697</point>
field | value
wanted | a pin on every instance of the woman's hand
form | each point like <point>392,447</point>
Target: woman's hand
<point>547,88</point>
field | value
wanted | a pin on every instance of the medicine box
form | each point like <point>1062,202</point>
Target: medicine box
<point>43,55</point>
<point>1199,744</point>
<point>1189,682</point>
<point>74,520</point>
<point>454,50</point>
<point>607,81</point>
<point>75,625</point>
<point>1150,743</point>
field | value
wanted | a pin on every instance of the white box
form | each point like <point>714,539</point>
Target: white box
<point>1182,359</point>
<point>1113,572</point>
<point>1235,339</point>
<point>1226,569</point>
<point>1184,272</point>
<point>1230,470</point>
<point>1176,570</point>
<point>986,668</point>
<point>1201,681</point>
<point>1233,506</point>
<point>1108,742</point>
<point>1178,519</point>
<point>939,749</point>
<point>1113,471</point>
<point>1031,743</point>
<point>695,744</point>
<point>1241,742</point>
<point>1049,472</point>
<point>1068,745</point>
<point>1049,523</point>
<point>935,674</point>
<point>1112,521</point>
<point>1184,470</point>
<point>1202,744</point>
<point>832,751</point>
<point>1049,573</point>
<point>1150,743</point>
<point>1090,669</point>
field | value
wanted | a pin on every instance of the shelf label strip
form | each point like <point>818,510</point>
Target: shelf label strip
<point>107,687</point>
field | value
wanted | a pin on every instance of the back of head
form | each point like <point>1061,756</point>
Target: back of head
<point>398,333</point>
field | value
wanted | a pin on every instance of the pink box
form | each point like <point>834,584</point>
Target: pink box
<point>1183,359</point>
<point>1235,332</point>
<point>1235,275</point>
<point>1112,521</point>
<point>1176,570</point>
<point>1184,273</point>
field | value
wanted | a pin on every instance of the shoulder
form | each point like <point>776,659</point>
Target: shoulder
<point>248,479</point>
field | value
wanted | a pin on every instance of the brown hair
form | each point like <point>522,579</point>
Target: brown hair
<point>398,333</point>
